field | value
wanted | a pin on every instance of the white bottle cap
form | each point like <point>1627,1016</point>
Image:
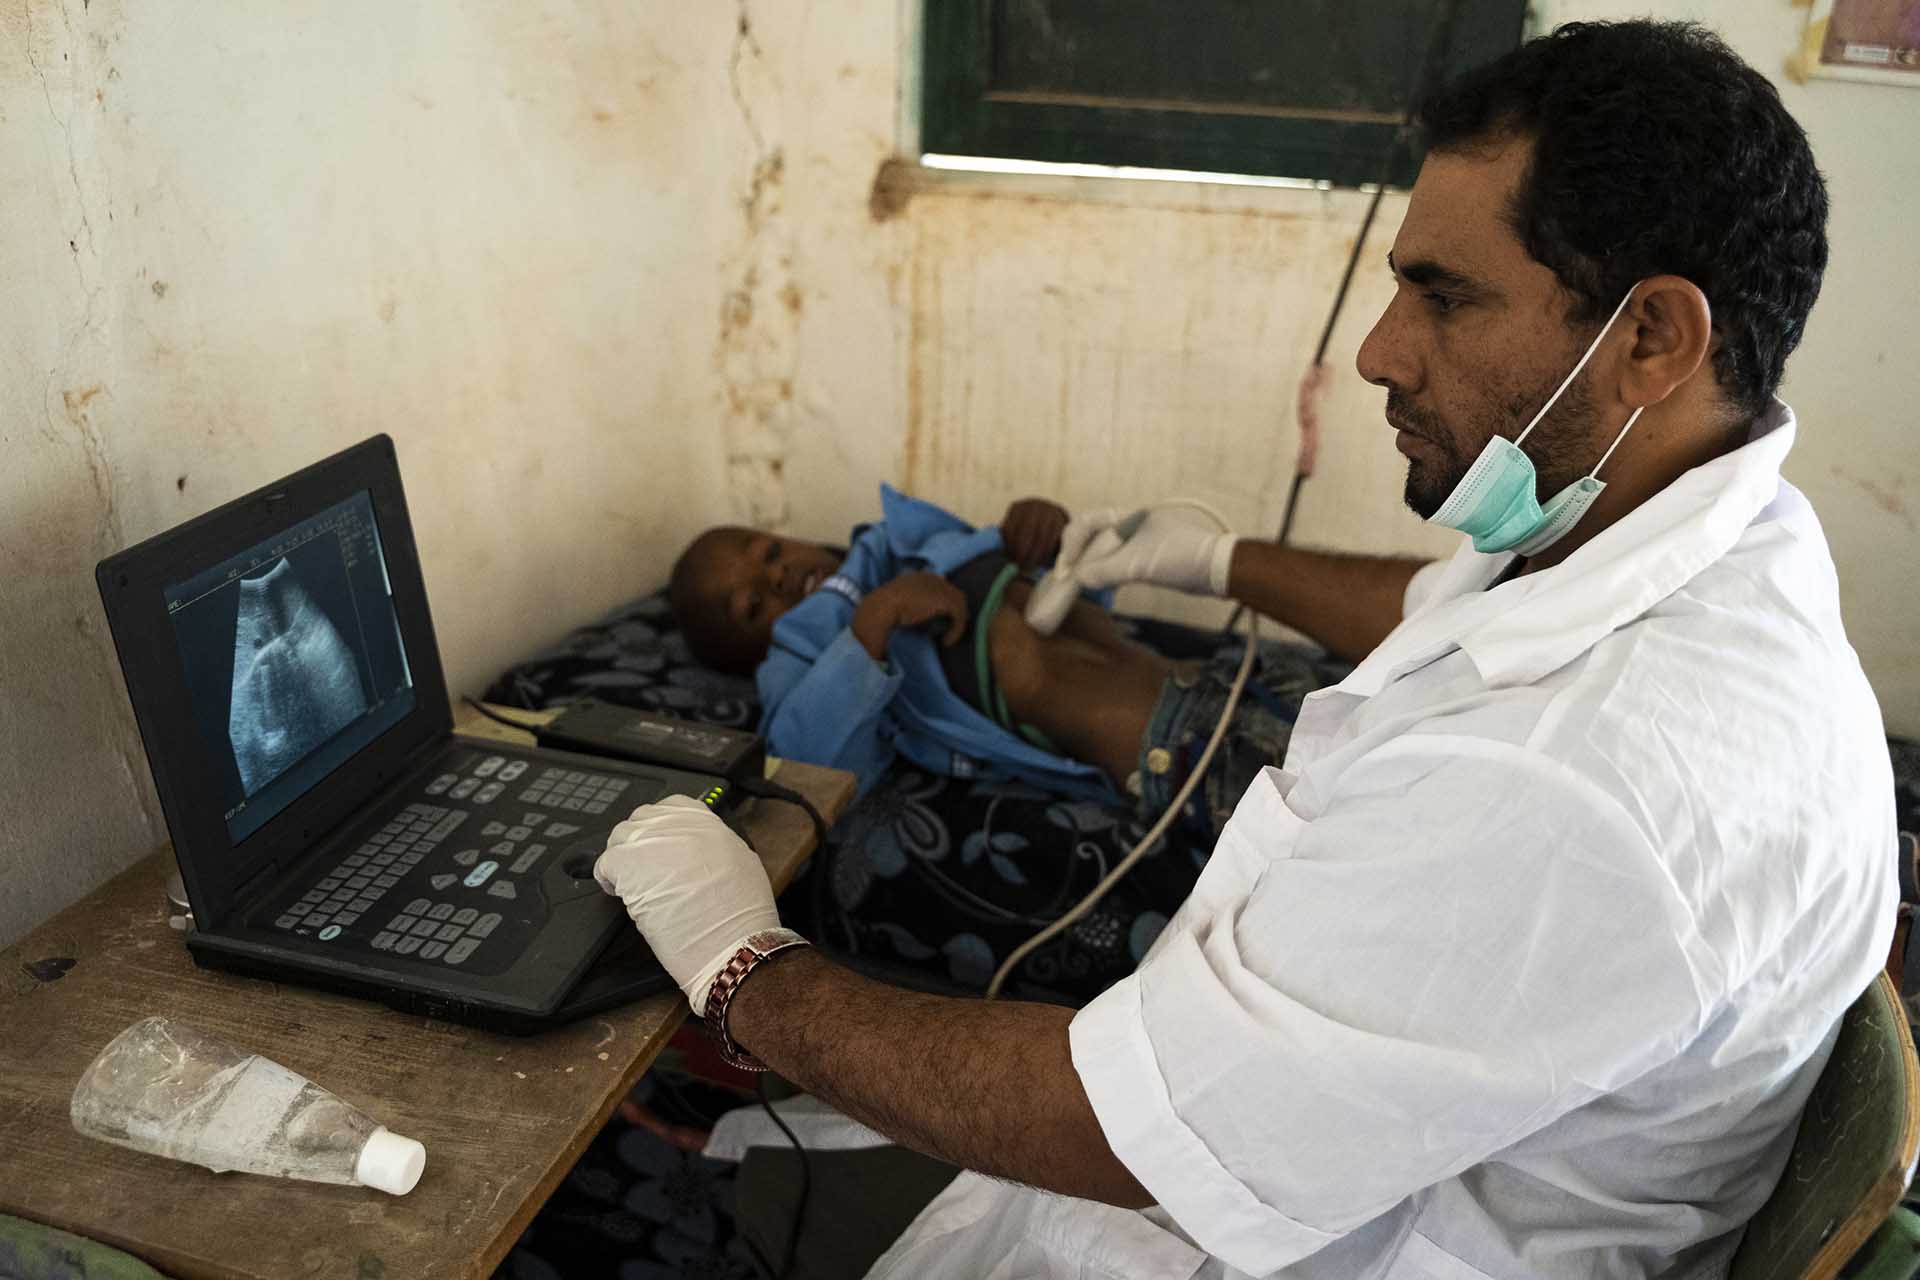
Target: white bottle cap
<point>390,1162</point>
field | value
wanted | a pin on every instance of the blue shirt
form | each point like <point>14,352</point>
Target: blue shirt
<point>826,701</point>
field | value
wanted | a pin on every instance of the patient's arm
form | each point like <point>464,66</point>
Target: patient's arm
<point>1348,603</point>
<point>910,600</point>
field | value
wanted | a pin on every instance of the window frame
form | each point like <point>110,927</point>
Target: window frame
<point>961,115</point>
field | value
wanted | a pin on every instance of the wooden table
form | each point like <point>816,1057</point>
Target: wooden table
<point>503,1117</point>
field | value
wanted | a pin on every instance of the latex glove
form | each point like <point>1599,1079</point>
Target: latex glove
<point>692,887</point>
<point>1166,550</point>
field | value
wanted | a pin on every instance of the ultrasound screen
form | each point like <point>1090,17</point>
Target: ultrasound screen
<point>293,659</point>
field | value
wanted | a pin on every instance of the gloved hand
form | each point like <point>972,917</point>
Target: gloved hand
<point>1165,550</point>
<point>693,888</point>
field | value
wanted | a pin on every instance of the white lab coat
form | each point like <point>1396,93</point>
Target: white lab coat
<point>1523,964</point>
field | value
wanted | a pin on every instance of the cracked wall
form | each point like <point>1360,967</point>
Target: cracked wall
<point>1109,345</point>
<point>234,241</point>
<point>610,273</point>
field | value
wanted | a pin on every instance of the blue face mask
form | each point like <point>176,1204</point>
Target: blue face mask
<point>1495,501</point>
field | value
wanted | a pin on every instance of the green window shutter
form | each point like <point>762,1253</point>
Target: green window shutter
<point>1308,89</point>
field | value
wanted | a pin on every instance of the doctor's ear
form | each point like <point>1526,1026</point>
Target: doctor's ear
<point>1672,328</point>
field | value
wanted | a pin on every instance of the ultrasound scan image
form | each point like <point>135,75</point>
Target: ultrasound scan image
<point>295,683</point>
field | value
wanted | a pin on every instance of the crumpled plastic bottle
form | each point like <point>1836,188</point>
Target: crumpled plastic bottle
<point>170,1090</point>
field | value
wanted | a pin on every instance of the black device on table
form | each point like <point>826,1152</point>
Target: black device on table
<point>330,826</point>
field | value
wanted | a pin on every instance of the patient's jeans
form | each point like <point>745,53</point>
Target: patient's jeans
<point>1183,719</point>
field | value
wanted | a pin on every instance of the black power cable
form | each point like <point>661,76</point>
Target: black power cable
<point>806,1180</point>
<point>1439,41</point>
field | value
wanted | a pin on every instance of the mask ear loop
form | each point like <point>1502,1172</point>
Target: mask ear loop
<point>1631,419</point>
<point>1591,348</point>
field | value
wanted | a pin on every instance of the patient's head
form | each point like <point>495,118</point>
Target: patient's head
<point>731,584</point>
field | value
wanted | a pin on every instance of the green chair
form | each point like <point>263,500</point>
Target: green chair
<point>1854,1154</point>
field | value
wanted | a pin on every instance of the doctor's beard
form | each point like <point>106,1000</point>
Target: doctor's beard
<point>1561,446</point>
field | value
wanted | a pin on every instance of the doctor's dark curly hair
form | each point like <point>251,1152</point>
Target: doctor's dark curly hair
<point>1656,150</point>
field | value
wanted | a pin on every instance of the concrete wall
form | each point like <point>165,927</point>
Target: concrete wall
<point>611,272</point>
<point>1112,342</point>
<point>235,238</point>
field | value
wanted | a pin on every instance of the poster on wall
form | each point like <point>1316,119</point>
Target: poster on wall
<point>1871,40</point>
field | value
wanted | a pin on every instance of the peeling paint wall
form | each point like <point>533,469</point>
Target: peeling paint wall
<point>1111,346</point>
<point>233,240</point>
<point>609,273</point>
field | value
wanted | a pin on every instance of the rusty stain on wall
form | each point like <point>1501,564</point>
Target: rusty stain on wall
<point>1887,496</point>
<point>757,349</point>
<point>892,189</point>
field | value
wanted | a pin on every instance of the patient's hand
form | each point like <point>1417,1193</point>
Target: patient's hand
<point>1031,530</point>
<point>910,600</point>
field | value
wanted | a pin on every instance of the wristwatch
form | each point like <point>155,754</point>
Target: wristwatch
<point>756,948</point>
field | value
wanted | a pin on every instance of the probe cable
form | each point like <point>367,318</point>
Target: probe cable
<point>1174,806</point>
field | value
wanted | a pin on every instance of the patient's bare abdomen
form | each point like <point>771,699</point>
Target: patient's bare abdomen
<point>295,683</point>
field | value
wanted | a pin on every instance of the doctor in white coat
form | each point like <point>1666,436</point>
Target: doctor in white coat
<point>1523,960</point>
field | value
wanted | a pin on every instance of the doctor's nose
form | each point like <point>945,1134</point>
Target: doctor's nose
<point>1385,358</point>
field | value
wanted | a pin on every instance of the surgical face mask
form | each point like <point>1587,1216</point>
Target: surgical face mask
<point>1495,501</point>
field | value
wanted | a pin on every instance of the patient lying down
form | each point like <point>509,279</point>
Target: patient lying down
<point>913,642</point>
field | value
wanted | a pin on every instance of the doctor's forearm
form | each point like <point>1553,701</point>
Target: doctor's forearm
<point>988,1086</point>
<point>1348,603</point>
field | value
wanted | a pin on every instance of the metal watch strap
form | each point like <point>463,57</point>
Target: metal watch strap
<point>755,949</point>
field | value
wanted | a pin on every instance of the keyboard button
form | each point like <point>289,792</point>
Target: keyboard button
<point>411,859</point>
<point>433,950</point>
<point>441,911</point>
<point>489,793</point>
<point>365,904</point>
<point>505,848</point>
<point>407,946</point>
<point>486,768</point>
<point>460,950</point>
<point>352,860</point>
<point>385,882</point>
<point>299,908</point>
<point>314,896</point>
<point>523,862</point>
<point>512,770</point>
<point>519,833</point>
<point>574,775</point>
<point>329,933</point>
<point>317,919</point>
<point>572,803</point>
<point>346,918</point>
<point>598,806</point>
<point>464,788</point>
<point>617,785</point>
<point>425,929</point>
<point>385,941</point>
<point>286,922</point>
<point>448,933</point>
<point>441,783</point>
<point>418,907</point>
<point>444,880</point>
<point>493,828</point>
<point>559,829</point>
<point>465,915</point>
<point>466,857</point>
<point>481,874</point>
<point>400,923</point>
<point>328,885</point>
<point>502,889</point>
<point>486,924</point>
<point>532,819</point>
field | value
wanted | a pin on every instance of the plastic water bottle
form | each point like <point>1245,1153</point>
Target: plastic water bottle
<point>172,1091</point>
